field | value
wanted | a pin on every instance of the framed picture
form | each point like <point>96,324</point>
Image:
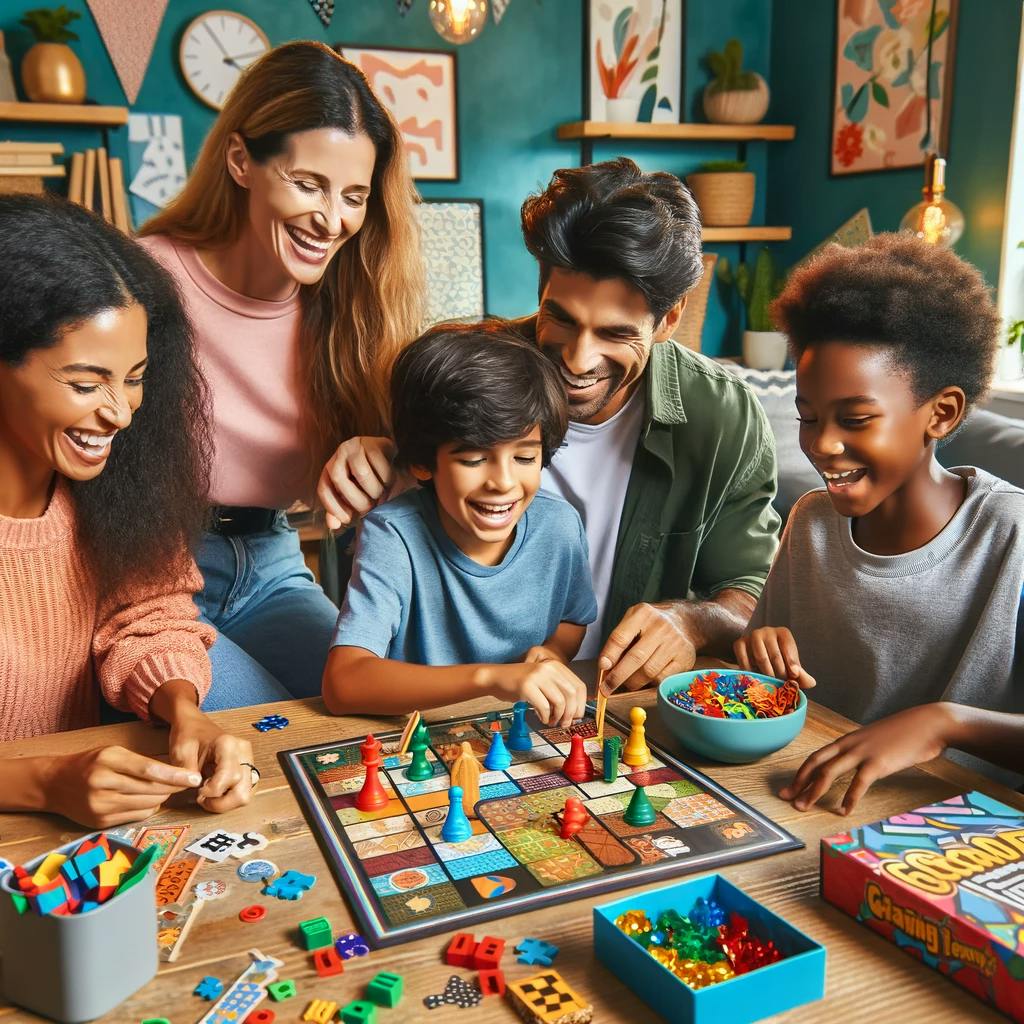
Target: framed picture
<point>419,88</point>
<point>893,83</point>
<point>633,60</point>
<point>453,251</point>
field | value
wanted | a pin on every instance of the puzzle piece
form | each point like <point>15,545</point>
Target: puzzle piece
<point>249,843</point>
<point>215,846</point>
<point>536,952</point>
<point>209,988</point>
<point>547,999</point>
<point>268,722</point>
<point>290,886</point>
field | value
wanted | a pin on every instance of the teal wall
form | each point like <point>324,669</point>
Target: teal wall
<point>523,77</point>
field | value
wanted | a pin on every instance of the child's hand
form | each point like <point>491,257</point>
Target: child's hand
<point>542,653</point>
<point>771,650</point>
<point>549,686</point>
<point>889,745</point>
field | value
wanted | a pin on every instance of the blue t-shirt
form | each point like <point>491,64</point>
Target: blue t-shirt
<point>414,596</point>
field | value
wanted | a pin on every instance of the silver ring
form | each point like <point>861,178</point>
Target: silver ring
<point>254,770</point>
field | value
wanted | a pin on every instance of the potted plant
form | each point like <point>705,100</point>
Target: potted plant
<point>50,72</point>
<point>734,96</point>
<point>724,190</point>
<point>1011,355</point>
<point>764,348</point>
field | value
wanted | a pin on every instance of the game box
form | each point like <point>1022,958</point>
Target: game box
<point>945,883</point>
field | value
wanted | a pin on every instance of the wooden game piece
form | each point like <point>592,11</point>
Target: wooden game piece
<point>372,796</point>
<point>547,999</point>
<point>460,950</point>
<point>456,827</point>
<point>578,766</point>
<point>498,758</point>
<point>488,953</point>
<point>640,813</point>
<point>410,727</point>
<point>601,707</point>
<point>611,751</point>
<point>636,754</point>
<point>419,768</point>
<point>519,734</point>
<point>574,817</point>
<point>465,773</point>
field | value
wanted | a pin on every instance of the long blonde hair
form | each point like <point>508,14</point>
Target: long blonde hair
<point>367,306</point>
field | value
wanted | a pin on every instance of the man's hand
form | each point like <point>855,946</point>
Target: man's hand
<point>357,478</point>
<point>887,746</point>
<point>771,650</point>
<point>652,642</point>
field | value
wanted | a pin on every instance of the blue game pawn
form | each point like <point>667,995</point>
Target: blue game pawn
<point>456,827</point>
<point>519,734</point>
<point>498,758</point>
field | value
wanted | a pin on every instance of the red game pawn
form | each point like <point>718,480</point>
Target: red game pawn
<point>578,765</point>
<point>574,817</point>
<point>372,796</point>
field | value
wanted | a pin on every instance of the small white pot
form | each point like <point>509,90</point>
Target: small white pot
<point>764,350</point>
<point>738,106</point>
<point>623,109</point>
<point>1010,364</point>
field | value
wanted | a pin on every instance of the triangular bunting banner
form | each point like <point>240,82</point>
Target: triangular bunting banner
<point>498,8</point>
<point>129,41</point>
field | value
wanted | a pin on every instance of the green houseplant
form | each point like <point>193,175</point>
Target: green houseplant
<point>724,190</point>
<point>50,72</point>
<point>1011,356</point>
<point>764,348</point>
<point>734,96</point>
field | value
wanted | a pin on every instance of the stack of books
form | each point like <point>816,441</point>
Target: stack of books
<point>23,165</point>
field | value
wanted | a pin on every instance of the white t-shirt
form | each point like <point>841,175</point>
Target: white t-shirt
<point>591,472</point>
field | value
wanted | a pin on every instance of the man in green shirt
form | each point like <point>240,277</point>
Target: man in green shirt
<point>669,459</point>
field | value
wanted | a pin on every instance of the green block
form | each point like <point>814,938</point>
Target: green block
<point>279,990</point>
<point>316,933</point>
<point>156,1020</point>
<point>385,989</point>
<point>360,1012</point>
<point>20,902</point>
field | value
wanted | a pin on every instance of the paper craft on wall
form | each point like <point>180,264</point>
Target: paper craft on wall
<point>129,40</point>
<point>419,88</point>
<point>156,162</point>
<point>453,252</point>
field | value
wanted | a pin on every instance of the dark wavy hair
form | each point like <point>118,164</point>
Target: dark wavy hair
<point>611,220</point>
<point>928,307</point>
<point>479,384</point>
<point>60,266</point>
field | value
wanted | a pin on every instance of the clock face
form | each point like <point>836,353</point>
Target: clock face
<point>215,49</point>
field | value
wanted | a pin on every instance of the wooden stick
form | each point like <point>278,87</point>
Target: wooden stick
<point>77,172</point>
<point>89,179</point>
<point>602,706</point>
<point>103,173</point>
<point>117,196</point>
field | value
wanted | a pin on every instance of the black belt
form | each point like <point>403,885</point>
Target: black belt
<point>233,520</point>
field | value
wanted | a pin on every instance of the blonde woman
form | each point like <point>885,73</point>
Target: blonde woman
<point>294,244</point>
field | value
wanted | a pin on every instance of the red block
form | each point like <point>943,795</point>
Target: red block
<point>488,953</point>
<point>461,950</point>
<point>492,982</point>
<point>328,962</point>
<point>261,1017</point>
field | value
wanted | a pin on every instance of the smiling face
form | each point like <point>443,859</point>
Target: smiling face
<point>306,202</point>
<point>863,428</point>
<point>482,493</point>
<point>599,334</point>
<point>61,408</point>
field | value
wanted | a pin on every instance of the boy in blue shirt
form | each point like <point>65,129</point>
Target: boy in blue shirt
<point>474,583</point>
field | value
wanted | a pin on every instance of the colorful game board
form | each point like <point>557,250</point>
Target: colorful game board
<point>404,882</point>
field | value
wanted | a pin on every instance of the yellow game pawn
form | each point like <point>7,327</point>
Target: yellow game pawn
<point>636,754</point>
<point>465,773</point>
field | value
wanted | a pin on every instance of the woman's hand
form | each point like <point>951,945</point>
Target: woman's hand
<point>357,477</point>
<point>771,650</point>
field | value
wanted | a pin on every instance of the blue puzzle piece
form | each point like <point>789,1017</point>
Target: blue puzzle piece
<point>536,951</point>
<point>268,722</point>
<point>209,988</point>
<point>290,886</point>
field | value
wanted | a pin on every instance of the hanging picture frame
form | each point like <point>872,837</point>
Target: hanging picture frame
<point>633,60</point>
<point>452,242</point>
<point>893,83</point>
<point>419,88</point>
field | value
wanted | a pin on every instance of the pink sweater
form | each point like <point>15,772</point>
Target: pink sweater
<point>57,638</point>
<point>248,351</point>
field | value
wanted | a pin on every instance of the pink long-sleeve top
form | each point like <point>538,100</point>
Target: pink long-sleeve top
<point>58,638</point>
<point>248,351</point>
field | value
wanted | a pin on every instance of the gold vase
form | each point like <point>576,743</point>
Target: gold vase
<point>51,73</point>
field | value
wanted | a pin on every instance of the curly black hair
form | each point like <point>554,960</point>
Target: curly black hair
<point>60,265</point>
<point>611,220</point>
<point>930,308</point>
<point>479,384</point>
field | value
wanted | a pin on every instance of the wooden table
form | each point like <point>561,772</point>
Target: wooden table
<point>867,978</point>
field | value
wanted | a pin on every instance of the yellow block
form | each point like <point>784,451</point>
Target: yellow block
<point>49,869</point>
<point>321,1011</point>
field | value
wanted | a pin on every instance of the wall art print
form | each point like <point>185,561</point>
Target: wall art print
<point>893,83</point>
<point>452,233</point>
<point>419,88</point>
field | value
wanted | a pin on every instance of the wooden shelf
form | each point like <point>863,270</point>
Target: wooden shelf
<point>64,113</point>
<point>747,234</point>
<point>680,132</point>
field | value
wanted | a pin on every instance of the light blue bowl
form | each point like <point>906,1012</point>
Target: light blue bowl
<point>732,740</point>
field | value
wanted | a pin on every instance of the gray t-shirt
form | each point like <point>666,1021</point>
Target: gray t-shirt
<point>881,633</point>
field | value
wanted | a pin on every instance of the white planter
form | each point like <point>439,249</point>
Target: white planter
<point>623,109</point>
<point>739,106</point>
<point>1010,363</point>
<point>764,350</point>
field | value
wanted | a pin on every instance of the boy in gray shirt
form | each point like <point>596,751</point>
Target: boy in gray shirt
<point>898,588</point>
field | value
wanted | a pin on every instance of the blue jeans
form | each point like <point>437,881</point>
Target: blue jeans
<point>274,623</point>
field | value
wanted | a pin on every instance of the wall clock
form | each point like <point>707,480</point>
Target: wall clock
<point>215,49</point>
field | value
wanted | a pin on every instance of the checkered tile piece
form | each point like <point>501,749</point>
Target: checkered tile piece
<point>547,998</point>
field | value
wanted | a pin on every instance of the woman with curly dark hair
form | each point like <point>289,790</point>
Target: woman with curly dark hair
<point>100,498</point>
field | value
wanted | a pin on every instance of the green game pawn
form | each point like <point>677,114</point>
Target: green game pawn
<point>610,753</point>
<point>419,768</point>
<point>640,813</point>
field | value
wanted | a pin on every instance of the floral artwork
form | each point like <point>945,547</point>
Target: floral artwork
<point>894,61</point>
<point>635,50</point>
